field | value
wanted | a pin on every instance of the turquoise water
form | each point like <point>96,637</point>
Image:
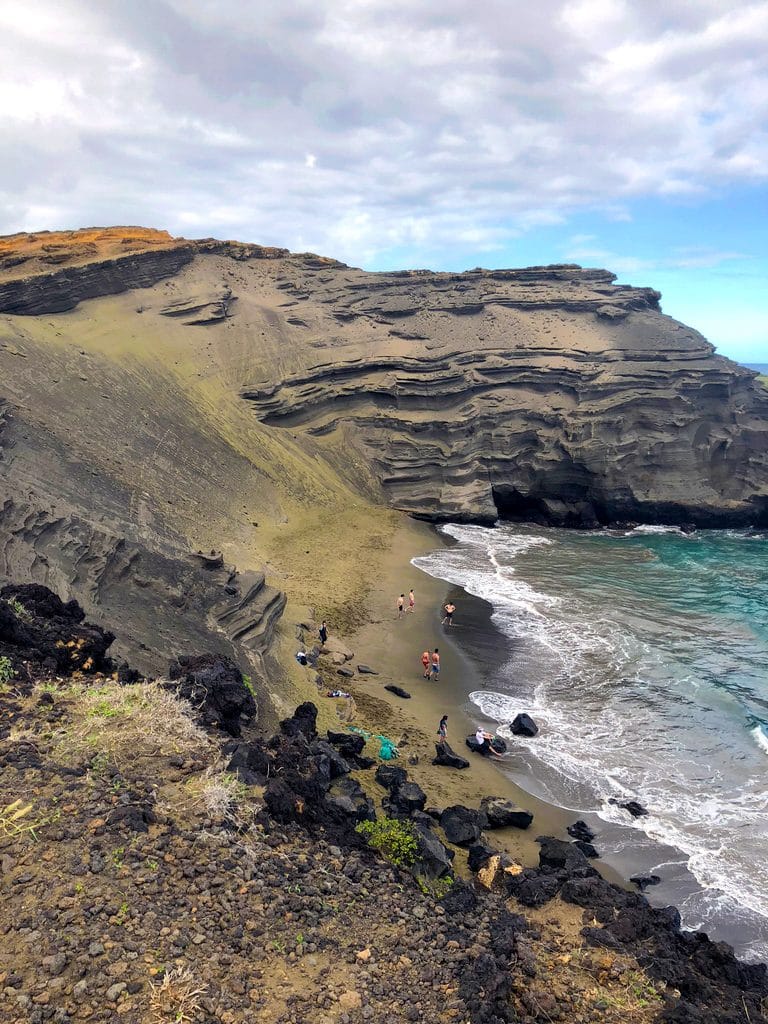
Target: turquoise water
<point>642,655</point>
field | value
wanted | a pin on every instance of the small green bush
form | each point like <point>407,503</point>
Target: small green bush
<point>248,684</point>
<point>18,608</point>
<point>394,839</point>
<point>6,671</point>
<point>436,887</point>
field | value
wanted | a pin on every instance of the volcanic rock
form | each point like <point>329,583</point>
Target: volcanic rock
<point>433,858</point>
<point>581,830</point>
<point>214,685</point>
<point>478,854</point>
<point>406,798</point>
<point>586,848</point>
<point>390,776</point>
<point>523,725</point>
<point>635,809</point>
<point>461,825</point>
<point>447,757</point>
<point>644,881</point>
<point>398,692</point>
<point>500,813</point>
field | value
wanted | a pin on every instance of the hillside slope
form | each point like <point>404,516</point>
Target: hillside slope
<point>162,397</point>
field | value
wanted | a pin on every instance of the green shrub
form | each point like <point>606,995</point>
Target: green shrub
<point>18,608</point>
<point>394,839</point>
<point>6,671</point>
<point>436,887</point>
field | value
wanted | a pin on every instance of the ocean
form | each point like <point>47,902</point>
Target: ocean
<point>643,657</point>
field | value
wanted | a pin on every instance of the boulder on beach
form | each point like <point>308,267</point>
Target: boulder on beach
<point>643,881</point>
<point>433,858</point>
<point>446,757</point>
<point>479,854</point>
<point>581,830</point>
<point>405,799</point>
<point>501,813</point>
<point>398,692</point>
<point>635,809</point>
<point>523,725</point>
<point>586,848</point>
<point>461,825</point>
<point>390,776</point>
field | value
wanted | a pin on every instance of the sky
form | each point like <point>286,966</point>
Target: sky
<point>406,133</point>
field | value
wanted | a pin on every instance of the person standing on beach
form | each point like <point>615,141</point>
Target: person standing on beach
<point>400,606</point>
<point>434,669</point>
<point>411,601</point>
<point>323,633</point>
<point>449,609</point>
<point>425,664</point>
<point>442,729</point>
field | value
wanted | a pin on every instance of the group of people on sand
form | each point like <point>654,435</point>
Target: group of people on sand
<point>401,609</point>
<point>449,608</point>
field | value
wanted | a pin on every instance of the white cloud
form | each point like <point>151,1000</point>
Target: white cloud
<point>357,128</point>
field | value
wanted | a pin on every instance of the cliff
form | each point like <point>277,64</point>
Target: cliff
<point>165,396</point>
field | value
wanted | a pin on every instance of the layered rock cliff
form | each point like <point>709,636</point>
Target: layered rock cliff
<point>164,396</point>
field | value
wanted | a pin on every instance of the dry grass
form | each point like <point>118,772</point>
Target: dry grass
<point>176,999</point>
<point>223,796</point>
<point>127,723</point>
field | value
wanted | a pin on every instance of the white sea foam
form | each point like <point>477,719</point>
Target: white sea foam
<point>760,737</point>
<point>650,529</point>
<point>610,726</point>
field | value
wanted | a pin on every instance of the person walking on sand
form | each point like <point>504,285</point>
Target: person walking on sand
<point>400,606</point>
<point>449,609</point>
<point>425,664</point>
<point>323,633</point>
<point>411,601</point>
<point>434,669</point>
<point>442,729</point>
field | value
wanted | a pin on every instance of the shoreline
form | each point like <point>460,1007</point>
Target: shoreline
<point>629,850</point>
<point>393,648</point>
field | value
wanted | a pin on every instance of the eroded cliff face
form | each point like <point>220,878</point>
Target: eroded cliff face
<point>163,396</point>
<point>545,393</point>
<point>62,526</point>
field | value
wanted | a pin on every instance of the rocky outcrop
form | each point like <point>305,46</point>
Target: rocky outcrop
<point>214,686</point>
<point>39,633</point>
<point>38,289</point>
<point>549,394</point>
<point>167,599</point>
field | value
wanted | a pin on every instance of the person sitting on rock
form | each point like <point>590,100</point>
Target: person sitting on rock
<point>484,742</point>
<point>301,657</point>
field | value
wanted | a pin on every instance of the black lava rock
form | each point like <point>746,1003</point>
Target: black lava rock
<point>213,685</point>
<point>501,813</point>
<point>461,825</point>
<point>524,725</point>
<point>398,692</point>
<point>445,756</point>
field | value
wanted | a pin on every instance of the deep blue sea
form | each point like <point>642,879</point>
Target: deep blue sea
<point>643,656</point>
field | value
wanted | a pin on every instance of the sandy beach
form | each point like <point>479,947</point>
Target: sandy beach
<point>392,646</point>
